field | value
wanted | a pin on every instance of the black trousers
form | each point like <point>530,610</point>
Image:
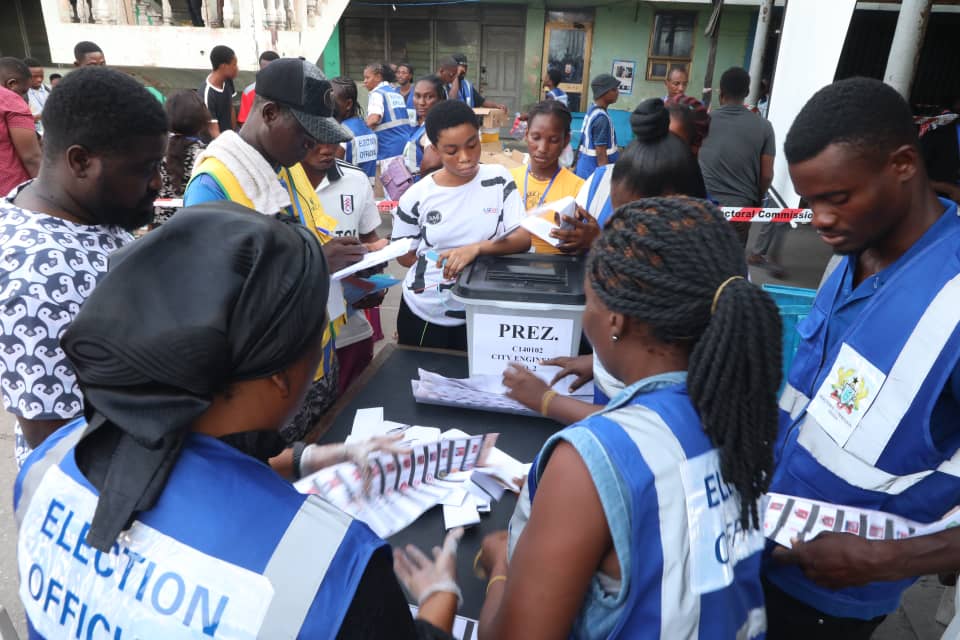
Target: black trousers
<point>414,331</point>
<point>790,619</point>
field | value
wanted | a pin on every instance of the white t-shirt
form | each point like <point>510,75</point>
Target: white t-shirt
<point>350,201</point>
<point>48,268</point>
<point>375,106</point>
<point>444,218</point>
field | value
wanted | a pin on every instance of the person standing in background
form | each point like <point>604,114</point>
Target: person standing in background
<point>37,95</point>
<point>598,140</point>
<point>346,195</point>
<point>19,147</point>
<point>386,111</point>
<point>404,74</point>
<point>88,54</point>
<point>188,118</point>
<point>217,90</point>
<point>55,80</point>
<point>465,89</point>
<point>362,150</point>
<point>551,82</point>
<point>737,156</point>
<point>250,92</point>
<point>676,83</point>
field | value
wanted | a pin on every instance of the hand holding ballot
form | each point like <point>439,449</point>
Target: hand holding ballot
<point>839,560</point>
<point>456,260</point>
<point>576,233</point>
<point>524,386</point>
<point>342,252</point>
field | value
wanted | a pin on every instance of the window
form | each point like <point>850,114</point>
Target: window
<point>671,43</point>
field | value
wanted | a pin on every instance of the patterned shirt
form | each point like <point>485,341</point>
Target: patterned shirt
<point>48,267</point>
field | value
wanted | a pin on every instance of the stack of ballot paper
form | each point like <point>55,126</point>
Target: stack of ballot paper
<point>483,392</point>
<point>439,469</point>
<point>789,518</point>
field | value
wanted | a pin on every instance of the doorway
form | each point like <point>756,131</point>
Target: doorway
<point>501,66</point>
<point>567,42</point>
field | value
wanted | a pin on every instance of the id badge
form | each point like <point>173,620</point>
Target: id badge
<point>846,394</point>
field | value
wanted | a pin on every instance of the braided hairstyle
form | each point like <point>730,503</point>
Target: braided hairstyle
<point>668,263</point>
<point>345,88</point>
<point>657,163</point>
<point>383,70</point>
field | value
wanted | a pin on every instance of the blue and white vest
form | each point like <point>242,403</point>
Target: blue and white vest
<point>362,150</point>
<point>394,128</point>
<point>229,550</point>
<point>559,95</point>
<point>855,420</point>
<point>466,93</point>
<point>587,159</point>
<point>411,109</point>
<point>607,210</point>
<point>415,141</point>
<point>688,570</point>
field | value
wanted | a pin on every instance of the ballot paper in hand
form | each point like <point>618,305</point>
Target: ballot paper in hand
<point>788,518</point>
<point>400,487</point>
<point>390,252</point>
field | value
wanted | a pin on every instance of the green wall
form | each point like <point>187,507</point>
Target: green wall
<point>330,58</point>
<point>622,32</point>
<point>533,54</point>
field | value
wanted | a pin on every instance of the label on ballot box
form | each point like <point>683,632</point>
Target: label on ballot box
<point>521,309</point>
<point>499,340</point>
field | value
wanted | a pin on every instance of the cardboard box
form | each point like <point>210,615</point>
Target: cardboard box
<point>491,147</point>
<point>506,159</point>
<point>492,118</point>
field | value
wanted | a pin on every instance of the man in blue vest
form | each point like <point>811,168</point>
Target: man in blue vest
<point>463,90</point>
<point>869,417</point>
<point>598,136</point>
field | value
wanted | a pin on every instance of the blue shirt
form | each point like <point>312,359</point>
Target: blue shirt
<point>202,189</point>
<point>600,132</point>
<point>852,300</point>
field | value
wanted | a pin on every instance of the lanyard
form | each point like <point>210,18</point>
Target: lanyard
<point>543,197</point>
<point>295,198</point>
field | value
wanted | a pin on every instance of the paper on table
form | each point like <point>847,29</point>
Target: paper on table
<point>367,423</point>
<point>462,516</point>
<point>390,252</point>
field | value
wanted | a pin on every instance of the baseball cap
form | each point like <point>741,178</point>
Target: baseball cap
<point>301,87</point>
<point>603,83</point>
<point>461,58</point>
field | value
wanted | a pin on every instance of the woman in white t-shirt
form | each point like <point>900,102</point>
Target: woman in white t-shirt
<point>453,215</point>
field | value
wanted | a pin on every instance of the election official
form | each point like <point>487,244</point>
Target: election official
<point>138,521</point>
<point>666,479</point>
<point>870,413</point>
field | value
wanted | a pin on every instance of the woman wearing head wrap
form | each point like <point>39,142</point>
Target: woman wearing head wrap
<point>138,519</point>
<point>666,479</point>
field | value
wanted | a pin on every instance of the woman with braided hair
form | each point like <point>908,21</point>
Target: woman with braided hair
<point>664,481</point>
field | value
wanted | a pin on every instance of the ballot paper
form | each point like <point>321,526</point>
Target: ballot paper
<point>482,392</point>
<point>541,227</point>
<point>374,258</point>
<point>788,518</point>
<point>463,628</point>
<point>401,487</point>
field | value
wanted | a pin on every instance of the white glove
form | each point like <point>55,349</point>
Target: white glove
<point>423,577</point>
<point>316,457</point>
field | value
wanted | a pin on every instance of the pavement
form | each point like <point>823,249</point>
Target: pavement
<point>803,257</point>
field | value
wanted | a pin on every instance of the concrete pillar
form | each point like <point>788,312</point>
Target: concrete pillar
<point>759,51</point>
<point>907,42</point>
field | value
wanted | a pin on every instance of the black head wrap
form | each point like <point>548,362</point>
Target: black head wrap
<point>216,295</point>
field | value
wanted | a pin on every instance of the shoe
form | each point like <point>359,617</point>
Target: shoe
<point>763,262</point>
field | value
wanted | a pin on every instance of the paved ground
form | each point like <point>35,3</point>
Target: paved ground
<point>803,256</point>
